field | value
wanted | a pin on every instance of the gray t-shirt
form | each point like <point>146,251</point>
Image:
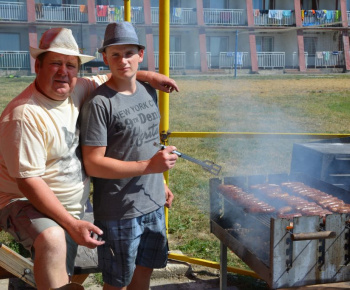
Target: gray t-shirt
<point>127,125</point>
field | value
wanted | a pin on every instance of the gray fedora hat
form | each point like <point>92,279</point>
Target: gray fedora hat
<point>120,33</point>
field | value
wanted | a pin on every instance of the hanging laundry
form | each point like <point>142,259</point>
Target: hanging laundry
<point>230,54</point>
<point>319,54</point>
<point>287,13</point>
<point>256,12</point>
<point>111,13</point>
<point>239,58</point>
<point>302,15</point>
<point>177,12</point>
<point>101,10</point>
<point>329,15</point>
<point>320,15</point>
<point>276,14</point>
<point>83,9</point>
<point>326,55</point>
<point>337,15</point>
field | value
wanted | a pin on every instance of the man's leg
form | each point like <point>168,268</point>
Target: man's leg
<point>50,259</point>
<point>141,279</point>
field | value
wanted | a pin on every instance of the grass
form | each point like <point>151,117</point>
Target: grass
<point>290,104</point>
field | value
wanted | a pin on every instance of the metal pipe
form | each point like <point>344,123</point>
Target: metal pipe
<point>255,135</point>
<point>127,10</point>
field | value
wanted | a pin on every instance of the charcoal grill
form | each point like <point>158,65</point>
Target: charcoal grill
<point>306,250</point>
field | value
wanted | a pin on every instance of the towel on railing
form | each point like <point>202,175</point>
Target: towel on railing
<point>329,14</point>
<point>177,12</point>
<point>83,9</point>
<point>256,12</point>
<point>276,14</point>
<point>39,10</point>
<point>101,10</point>
<point>320,14</point>
<point>326,55</point>
<point>287,13</point>
<point>239,58</point>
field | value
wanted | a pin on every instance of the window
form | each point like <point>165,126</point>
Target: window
<point>175,43</point>
<point>309,4</point>
<point>310,44</point>
<point>264,4</point>
<point>217,44</point>
<point>217,4</point>
<point>264,44</point>
<point>9,42</point>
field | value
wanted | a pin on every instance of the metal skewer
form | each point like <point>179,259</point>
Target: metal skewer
<point>207,165</point>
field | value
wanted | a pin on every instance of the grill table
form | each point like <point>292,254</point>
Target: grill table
<point>285,258</point>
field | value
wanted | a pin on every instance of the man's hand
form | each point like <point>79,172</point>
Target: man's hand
<point>168,196</point>
<point>82,233</point>
<point>163,83</point>
<point>157,81</point>
<point>162,161</point>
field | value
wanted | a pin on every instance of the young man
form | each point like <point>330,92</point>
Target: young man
<point>43,187</point>
<point>119,126</point>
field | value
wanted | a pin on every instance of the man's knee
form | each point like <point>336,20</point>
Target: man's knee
<point>51,240</point>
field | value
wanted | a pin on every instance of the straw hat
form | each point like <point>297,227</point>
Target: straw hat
<point>120,33</point>
<point>59,40</point>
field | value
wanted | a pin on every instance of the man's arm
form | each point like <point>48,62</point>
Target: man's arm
<point>44,200</point>
<point>98,165</point>
<point>157,81</point>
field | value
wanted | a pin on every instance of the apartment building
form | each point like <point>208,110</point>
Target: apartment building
<point>205,35</point>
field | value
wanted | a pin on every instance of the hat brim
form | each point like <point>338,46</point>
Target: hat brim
<point>34,52</point>
<point>102,49</point>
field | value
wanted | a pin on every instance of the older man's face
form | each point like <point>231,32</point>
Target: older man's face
<point>57,75</point>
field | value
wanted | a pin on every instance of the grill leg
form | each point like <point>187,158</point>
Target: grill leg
<point>223,266</point>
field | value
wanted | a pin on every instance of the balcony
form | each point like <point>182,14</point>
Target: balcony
<point>274,17</point>
<point>321,17</point>
<point>13,11</point>
<point>197,61</point>
<point>61,13</point>
<point>296,59</point>
<point>179,16</point>
<point>177,60</point>
<point>228,59</point>
<point>271,59</point>
<point>223,17</point>
<point>329,59</point>
<point>14,60</point>
<point>112,13</point>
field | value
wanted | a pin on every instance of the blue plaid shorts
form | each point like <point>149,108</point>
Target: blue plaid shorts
<point>130,242</point>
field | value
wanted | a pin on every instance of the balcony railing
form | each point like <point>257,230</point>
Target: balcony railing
<point>274,17</point>
<point>197,59</point>
<point>177,60</point>
<point>271,59</point>
<point>61,13</point>
<point>296,59</point>
<point>13,11</point>
<point>229,17</point>
<point>228,59</point>
<point>14,60</point>
<point>180,16</point>
<point>107,14</point>
<point>329,58</point>
<point>321,17</point>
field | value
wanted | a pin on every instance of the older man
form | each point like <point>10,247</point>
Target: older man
<point>43,187</point>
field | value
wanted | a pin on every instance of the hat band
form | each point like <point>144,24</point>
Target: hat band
<point>121,40</point>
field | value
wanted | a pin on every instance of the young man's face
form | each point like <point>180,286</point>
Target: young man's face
<point>57,75</point>
<point>123,60</point>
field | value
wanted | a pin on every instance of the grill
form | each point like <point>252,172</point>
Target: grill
<point>304,250</point>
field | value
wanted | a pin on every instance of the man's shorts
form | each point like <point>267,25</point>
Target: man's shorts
<point>130,242</point>
<point>25,223</point>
